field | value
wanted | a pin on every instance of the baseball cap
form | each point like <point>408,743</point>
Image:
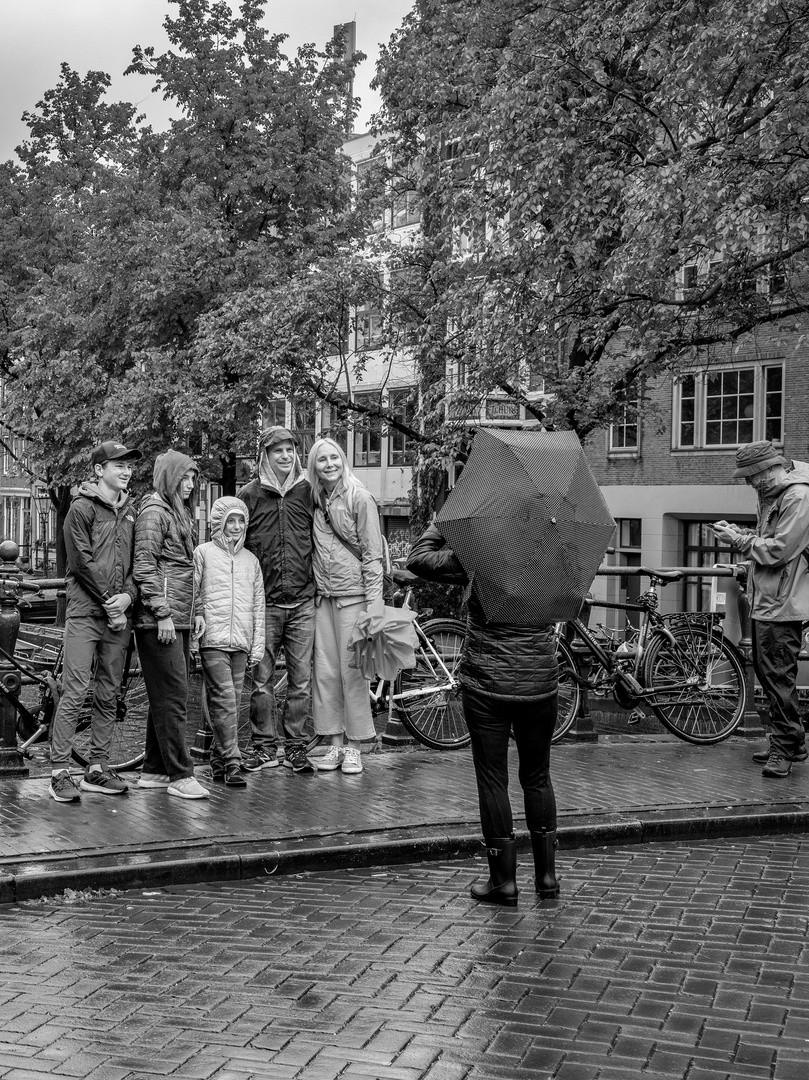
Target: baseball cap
<point>755,457</point>
<point>112,451</point>
<point>274,435</point>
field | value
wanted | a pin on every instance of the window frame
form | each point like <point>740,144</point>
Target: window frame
<point>700,420</point>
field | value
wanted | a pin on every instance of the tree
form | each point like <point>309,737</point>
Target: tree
<point>609,190</point>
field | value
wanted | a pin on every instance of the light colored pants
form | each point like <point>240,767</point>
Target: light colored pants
<point>89,638</point>
<point>340,699</point>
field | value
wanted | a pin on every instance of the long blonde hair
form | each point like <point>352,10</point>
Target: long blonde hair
<point>350,482</point>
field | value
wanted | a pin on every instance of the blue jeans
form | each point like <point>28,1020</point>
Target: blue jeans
<point>224,680</point>
<point>294,629</point>
<point>490,722</point>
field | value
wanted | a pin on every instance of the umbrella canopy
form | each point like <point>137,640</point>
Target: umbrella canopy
<point>384,642</point>
<point>528,523</point>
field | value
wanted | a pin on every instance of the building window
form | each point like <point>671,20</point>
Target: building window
<point>369,327</point>
<point>304,412</point>
<point>334,423</point>
<point>625,429</point>
<point>406,210</point>
<point>729,407</point>
<point>371,190</point>
<point>402,405</point>
<point>703,548</point>
<point>274,413</point>
<point>368,433</point>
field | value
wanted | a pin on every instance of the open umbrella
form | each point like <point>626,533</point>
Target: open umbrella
<point>528,523</point>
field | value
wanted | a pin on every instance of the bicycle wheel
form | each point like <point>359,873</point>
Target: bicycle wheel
<point>700,681</point>
<point>569,691</point>
<point>129,732</point>
<point>434,718</point>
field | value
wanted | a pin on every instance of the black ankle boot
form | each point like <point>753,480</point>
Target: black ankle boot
<point>501,888</point>
<point>544,846</point>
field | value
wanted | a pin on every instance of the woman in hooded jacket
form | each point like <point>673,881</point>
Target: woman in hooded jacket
<point>229,610</point>
<point>163,569</point>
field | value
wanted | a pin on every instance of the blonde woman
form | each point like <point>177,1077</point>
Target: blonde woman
<point>347,565</point>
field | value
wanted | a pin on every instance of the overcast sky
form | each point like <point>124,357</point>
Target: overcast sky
<point>37,35</point>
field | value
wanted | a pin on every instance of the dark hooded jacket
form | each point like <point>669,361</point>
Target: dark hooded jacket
<point>98,541</point>
<point>510,663</point>
<point>279,532</point>
<point>164,551</point>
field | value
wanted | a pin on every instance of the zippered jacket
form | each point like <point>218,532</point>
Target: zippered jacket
<point>229,588</point>
<point>280,536</point>
<point>778,585</point>
<point>511,663</point>
<point>99,537</point>
<point>338,571</point>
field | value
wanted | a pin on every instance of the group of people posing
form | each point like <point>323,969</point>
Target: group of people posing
<point>292,564</point>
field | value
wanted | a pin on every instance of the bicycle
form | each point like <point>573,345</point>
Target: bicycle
<point>38,662</point>
<point>680,666</point>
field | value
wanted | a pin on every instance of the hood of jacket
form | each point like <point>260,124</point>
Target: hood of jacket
<point>169,469</point>
<point>268,479</point>
<point>91,490</point>
<point>221,510</point>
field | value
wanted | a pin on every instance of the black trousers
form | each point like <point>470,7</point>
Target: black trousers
<point>775,658</point>
<point>490,721</point>
<point>165,673</point>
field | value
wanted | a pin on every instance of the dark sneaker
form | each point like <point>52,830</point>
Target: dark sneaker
<point>233,775</point>
<point>259,758</point>
<point>218,776</point>
<point>761,757</point>
<point>63,787</point>
<point>777,766</point>
<point>295,758</point>
<point>105,781</point>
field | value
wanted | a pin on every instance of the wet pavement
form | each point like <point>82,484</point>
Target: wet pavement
<point>665,961</point>
<point>407,805</point>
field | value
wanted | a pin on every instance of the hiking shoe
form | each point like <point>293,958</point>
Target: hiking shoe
<point>352,761</point>
<point>63,787</point>
<point>295,758</point>
<point>259,758</point>
<point>777,766</point>
<point>233,775</point>
<point>330,760</point>
<point>761,757</point>
<point>218,776</point>
<point>188,787</point>
<point>154,780</point>
<point>105,781</point>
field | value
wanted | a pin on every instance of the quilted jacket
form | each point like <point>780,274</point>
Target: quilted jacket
<point>229,588</point>
<point>512,663</point>
<point>164,553</point>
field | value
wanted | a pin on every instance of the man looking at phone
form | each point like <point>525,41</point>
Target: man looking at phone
<point>778,587</point>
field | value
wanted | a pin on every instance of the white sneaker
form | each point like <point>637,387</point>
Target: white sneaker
<point>330,760</point>
<point>187,788</point>
<point>352,760</point>
<point>153,779</point>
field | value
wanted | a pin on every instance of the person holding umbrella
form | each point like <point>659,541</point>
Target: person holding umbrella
<point>525,529</point>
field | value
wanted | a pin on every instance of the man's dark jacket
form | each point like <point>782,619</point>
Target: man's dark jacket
<point>279,534</point>
<point>99,538</point>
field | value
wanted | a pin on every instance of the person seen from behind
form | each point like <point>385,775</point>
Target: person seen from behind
<point>348,566</point>
<point>509,679</point>
<point>778,588</point>
<point>279,534</point>
<point>229,621</point>
<point>99,532</point>
<point>164,616</point>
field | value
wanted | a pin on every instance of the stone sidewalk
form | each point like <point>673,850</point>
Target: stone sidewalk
<point>407,805</point>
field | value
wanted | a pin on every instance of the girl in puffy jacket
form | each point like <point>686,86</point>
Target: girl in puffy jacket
<point>163,568</point>
<point>229,610</point>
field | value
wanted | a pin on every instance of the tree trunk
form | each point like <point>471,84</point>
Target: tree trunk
<point>229,474</point>
<point>60,497</point>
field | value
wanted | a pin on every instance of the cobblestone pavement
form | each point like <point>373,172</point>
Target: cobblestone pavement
<point>683,961</point>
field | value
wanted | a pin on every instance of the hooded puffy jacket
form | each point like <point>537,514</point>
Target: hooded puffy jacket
<point>229,588</point>
<point>163,566</point>
<point>99,538</point>
<point>510,663</point>
<point>280,532</point>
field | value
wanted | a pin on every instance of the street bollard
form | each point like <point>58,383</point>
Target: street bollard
<point>12,763</point>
